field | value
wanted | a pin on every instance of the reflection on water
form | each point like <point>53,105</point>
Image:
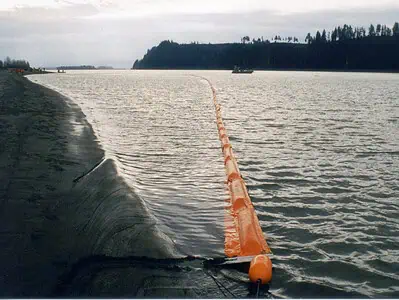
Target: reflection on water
<point>318,151</point>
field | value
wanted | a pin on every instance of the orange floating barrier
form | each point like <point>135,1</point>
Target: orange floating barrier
<point>232,171</point>
<point>243,234</point>
<point>227,151</point>
<point>222,132</point>
<point>239,195</point>
<point>248,238</point>
<point>225,140</point>
<point>251,243</point>
<point>220,127</point>
<point>232,240</point>
<point>244,238</point>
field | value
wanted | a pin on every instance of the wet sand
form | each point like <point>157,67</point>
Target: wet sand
<point>61,200</point>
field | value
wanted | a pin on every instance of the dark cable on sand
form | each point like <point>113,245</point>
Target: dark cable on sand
<point>219,284</point>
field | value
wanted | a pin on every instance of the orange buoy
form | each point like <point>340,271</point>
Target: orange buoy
<point>260,269</point>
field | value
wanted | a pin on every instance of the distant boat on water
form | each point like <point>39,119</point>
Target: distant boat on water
<point>238,70</point>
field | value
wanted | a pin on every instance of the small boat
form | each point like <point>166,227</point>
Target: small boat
<point>238,70</point>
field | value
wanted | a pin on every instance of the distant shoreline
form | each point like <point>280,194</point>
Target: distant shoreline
<point>225,69</point>
<point>366,54</point>
<point>274,70</point>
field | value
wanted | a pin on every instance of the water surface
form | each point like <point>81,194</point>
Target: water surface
<point>318,151</point>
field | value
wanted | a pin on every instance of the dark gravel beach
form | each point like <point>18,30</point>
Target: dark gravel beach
<point>61,200</point>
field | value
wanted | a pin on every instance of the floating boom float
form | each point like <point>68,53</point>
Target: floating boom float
<point>243,235</point>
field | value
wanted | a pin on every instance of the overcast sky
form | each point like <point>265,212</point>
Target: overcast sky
<point>116,32</point>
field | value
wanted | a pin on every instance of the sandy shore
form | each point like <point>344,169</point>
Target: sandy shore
<point>60,199</point>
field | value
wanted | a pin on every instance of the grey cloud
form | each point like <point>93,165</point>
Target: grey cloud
<point>268,23</point>
<point>51,37</point>
<point>24,22</point>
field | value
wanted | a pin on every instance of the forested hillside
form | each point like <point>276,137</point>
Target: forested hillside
<point>345,48</point>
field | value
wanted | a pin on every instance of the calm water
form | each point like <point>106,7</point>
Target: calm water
<point>318,151</point>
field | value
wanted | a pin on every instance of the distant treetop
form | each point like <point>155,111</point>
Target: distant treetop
<point>14,63</point>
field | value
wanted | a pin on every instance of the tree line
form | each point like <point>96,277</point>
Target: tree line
<point>345,48</point>
<point>289,39</point>
<point>14,63</point>
<point>82,67</point>
<point>347,32</point>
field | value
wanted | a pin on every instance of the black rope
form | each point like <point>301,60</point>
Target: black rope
<point>257,288</point>
<point>219,284</point>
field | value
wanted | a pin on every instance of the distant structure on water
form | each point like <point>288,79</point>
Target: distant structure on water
<point>83,67</point>
<point>238,70</point>
<point>105,68</point>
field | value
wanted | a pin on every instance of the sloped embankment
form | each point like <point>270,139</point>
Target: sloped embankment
<point>61,200</point>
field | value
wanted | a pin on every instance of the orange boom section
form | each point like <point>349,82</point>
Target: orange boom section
<point>243,234</point>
